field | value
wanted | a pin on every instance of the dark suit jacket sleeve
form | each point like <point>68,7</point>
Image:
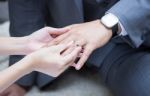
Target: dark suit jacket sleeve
<point>135,17</point>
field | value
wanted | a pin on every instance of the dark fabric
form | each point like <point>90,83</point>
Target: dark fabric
<point>26,16</point>
<point>128,75</point>
<point>64,12</point>
<point>135,17</point>
<point>3,0</point>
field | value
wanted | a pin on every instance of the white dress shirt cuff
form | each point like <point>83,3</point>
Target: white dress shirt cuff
<point>123,31</point>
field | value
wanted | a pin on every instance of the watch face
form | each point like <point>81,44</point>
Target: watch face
<point>109,20</point>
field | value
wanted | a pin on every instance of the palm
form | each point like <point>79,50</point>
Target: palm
<point>42,37</point>
<point>39,39</point>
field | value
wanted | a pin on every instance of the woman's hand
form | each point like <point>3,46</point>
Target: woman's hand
<point>51,60</point>
<point>41,37</point>
<point>31,43</point>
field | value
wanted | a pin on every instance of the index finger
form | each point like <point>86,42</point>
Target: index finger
<point>73,55</point>
<point>58,39</point>
<point>61,47</point>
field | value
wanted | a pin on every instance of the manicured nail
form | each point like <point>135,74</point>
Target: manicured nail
<point>77,67</point>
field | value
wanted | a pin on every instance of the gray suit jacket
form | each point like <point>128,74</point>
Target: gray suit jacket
<point>135,17</point>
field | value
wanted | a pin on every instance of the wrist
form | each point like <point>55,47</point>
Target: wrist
<point>22,43</point>
<point>32,61</point>
<point>26,65</point>
<point>108,31</point>
<point>110,21</point>
<point>27,47</point>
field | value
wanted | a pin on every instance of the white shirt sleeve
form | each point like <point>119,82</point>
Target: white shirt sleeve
<point>123,31</point>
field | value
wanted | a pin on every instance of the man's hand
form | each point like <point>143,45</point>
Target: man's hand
<point>42,37</point>
<point>90,36</point>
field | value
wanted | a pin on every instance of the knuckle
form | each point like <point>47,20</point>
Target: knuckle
<point>55,75</point>
<point>46,28</point>
<point>86,54</point>
<point>74,25</point>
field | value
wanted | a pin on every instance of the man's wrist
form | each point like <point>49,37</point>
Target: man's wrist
<point>110,21</point>
<point>100,24</point>
<point>109,30</point>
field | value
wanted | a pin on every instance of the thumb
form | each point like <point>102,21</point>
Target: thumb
<point>58,31</point>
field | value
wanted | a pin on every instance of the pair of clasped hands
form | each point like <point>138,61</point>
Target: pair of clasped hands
<point>53,50</point>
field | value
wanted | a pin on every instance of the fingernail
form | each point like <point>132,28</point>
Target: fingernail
<point>73,65</point>
<point>77,67</point>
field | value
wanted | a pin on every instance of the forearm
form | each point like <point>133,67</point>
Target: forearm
<point>15,72</point>
<point>13,45</point>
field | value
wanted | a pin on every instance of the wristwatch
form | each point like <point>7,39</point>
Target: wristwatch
<point>110,21</point>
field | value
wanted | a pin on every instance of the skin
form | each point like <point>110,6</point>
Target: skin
<point>83,36</point>
<point>90,36</point>
<point>49,60</point>
<point>28,44</point>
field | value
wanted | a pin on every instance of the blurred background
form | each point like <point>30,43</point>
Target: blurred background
<point>4,29</point>
<point>3,11</point>
<point>72,83</point>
